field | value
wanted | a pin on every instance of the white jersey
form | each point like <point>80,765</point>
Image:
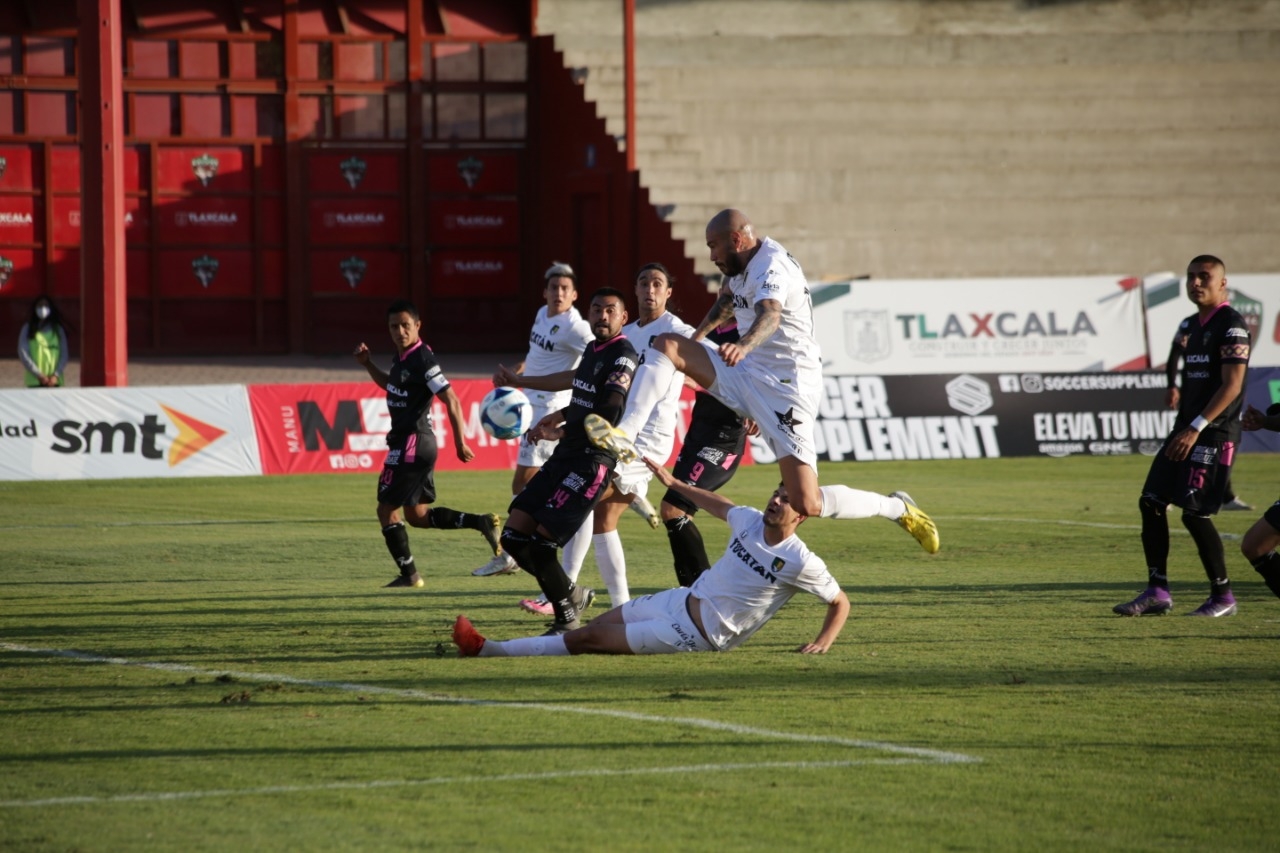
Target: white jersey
<point>658,436</point>
<point>753,580</point>
<point>774,274</point>
<point>556,344</point>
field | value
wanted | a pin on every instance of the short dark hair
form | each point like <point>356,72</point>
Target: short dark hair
<point>671,280</point>
<point>609,291</point>
<point>403,306</point>
<point>1208,259</point>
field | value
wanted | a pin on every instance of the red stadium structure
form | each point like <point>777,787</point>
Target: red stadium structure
<point>290,166</point>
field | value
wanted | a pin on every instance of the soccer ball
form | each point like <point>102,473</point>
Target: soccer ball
<point>505,413</point>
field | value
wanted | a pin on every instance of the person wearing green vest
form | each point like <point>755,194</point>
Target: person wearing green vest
<point>42,345</point>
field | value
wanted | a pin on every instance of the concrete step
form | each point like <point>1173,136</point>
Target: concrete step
<point>671,86</point>
<point>991,148</point>
<point>934,50</point>
<point>891,183</point>
<point>717,18</point>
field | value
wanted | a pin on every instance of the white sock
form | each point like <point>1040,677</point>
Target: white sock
<point>648,387</point>
<point>613,566</point>
<point>524,647</point>
<point>844,502</point>
<point>575,550</point>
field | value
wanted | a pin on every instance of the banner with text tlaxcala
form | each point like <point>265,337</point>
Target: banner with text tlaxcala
<point>110,433</point>
<point>342,427</point>
<point>920,327</point>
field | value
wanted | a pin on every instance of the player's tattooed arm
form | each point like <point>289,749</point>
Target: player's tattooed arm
<point>768,317</point>
<point>721,310</point>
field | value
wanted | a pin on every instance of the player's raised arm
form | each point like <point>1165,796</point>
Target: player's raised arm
<point>562,381</point>
<point>710,501</point>
<point>720,312</point>
<point>363,358</point>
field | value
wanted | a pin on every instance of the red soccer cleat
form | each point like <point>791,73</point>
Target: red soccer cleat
<point>467,638</point>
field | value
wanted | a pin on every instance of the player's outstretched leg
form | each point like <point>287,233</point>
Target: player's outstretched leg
<point>918,523</point>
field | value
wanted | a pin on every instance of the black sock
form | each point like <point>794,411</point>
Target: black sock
<point>1155,542</point>
<point>1209,544</point>
<point>447,519</point>
<point>687,549</point>
<point>398,544</point>
<point>1268,566</point>
<point>555,584</point>
<point>452,519</point>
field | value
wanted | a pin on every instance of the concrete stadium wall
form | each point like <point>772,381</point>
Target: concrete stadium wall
<point>907,138</point>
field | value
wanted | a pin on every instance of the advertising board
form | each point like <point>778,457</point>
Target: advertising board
<point>109,433</point>
<point>980,325</point>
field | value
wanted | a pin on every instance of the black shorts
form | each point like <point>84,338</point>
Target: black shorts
<point>564,491</point>
<point>1197,483</point>
<point>1272,515</point>
<point>707,460</point>
<point>409,483</point>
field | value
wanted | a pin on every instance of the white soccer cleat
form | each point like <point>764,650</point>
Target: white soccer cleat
<point>645,510</point>
<point>501,564</point>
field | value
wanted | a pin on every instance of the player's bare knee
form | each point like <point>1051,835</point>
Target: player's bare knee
<point>806,503</point>
<point>669,512</point>
<point>668,344</point>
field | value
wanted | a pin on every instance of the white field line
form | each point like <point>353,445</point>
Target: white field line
<point>908,754</point>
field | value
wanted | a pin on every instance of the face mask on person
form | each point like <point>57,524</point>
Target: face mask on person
<point>42,311</point>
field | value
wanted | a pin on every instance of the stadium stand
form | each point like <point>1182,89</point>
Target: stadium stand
<point>905,138</point>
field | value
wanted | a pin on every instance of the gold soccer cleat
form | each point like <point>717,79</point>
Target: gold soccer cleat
<point>609,438</point>
<point>917,522</point>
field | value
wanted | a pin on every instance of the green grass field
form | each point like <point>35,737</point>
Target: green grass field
<point>212,665</point>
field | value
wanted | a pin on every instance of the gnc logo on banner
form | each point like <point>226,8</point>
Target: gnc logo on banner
<point>193,436</point>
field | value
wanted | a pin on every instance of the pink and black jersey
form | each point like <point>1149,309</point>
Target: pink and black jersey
<point>605,368</point>
<point>413,382</point>
<point>1222,339</point>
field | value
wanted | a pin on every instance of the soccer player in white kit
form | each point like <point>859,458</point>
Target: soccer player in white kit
<point>556,343</point>
<point>656,440</point>
<point>764,565</point>
<point>772,374</point>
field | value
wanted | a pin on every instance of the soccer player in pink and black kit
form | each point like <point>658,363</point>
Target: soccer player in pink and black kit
<point>1194,464</point>
<point>408,482</point>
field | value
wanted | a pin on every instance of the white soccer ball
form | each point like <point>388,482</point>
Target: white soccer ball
<point>506,413</point>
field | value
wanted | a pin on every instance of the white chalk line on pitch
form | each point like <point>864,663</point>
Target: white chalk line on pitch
<point>907,754</point>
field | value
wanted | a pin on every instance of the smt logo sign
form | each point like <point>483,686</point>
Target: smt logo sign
<point>143,438</point>
<point>88,433</point>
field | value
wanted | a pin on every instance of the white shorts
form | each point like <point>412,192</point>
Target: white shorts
<point>660,624</point>
<point>785,407</point>
<point>536,454</point>
<point>632,479</point>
